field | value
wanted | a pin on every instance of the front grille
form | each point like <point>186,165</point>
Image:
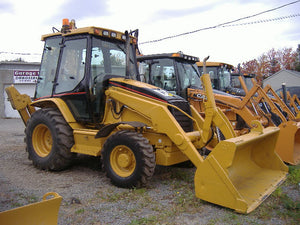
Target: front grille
<point>185,122</point>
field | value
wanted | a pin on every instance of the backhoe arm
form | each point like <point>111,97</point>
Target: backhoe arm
<point>262,96</point>
<point>295,103</point>
<point>244,86</point>
<point>20,102</point>
<point>269,89</point>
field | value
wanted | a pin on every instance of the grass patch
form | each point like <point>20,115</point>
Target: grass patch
<point>186,201</point>
<point>282,205</point>
<point>294,175</point>
<point>144,221</point>
<point>20,200</point>
<point>28,198</point>
<point>79,211</point>
<point>126,195</point>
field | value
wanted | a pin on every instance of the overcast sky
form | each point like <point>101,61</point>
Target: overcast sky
<point>23,23</point>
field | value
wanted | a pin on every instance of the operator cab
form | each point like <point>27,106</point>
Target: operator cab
<point>219,74</point>
<point>77,64</point>
<point>236,84</point>
<point>161,71</point>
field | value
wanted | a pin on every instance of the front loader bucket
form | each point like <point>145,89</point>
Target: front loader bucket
<point>288,144</point>
<point>241,172</point>
<point>44,212</point>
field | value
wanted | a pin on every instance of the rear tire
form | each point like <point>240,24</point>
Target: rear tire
<point>128,159</point>
<point>49,140</point>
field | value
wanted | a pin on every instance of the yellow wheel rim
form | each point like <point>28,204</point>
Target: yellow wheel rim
<point>122,161</point>
<point>42,140</point>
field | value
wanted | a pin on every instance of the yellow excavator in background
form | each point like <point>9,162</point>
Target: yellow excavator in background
<point>222,78</point>
<point>239,110</point>
<point>282,98</point>
<point>293,102</point>
<point>287,151</point>
<point>242,109</point>
<point>87,102</point>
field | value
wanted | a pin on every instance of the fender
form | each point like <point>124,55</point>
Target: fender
<point>56,103</point>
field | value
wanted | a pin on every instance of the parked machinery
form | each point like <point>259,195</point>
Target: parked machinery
<point>289,144</point>
<point>86,103</point>
<point>267,108</point>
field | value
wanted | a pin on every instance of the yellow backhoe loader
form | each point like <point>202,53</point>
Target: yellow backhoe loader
<point>236,84</point>
<point>293,102</point>
<point>222,78</point>
<point>285,102</point>
<point>241,110</point>
<point>287,151</point>
<point>86,103</point>
<point>268,92</point>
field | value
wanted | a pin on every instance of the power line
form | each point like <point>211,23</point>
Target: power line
<point>220,25</point>
<point>226,24</point>
<point>262,21</point>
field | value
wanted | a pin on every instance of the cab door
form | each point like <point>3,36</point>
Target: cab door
<point>71,79</point>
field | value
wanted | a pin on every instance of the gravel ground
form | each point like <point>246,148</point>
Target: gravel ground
<point>90,198</point>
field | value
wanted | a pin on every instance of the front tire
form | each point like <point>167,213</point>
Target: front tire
<point>128,159</point>
<point>49,140</point>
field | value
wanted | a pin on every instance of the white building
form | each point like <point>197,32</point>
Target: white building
<point>24,76</point>
<point>289,77</point>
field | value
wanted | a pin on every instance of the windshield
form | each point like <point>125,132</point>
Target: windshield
<point>248,81</point>
<point>235,82</point>
<point>213,74</point>
<point>171,75</point>
<point>109,58</point>
<point>224,80</point>
<point>46,78</point>
<point>219,76</point>
<point>188,75</point>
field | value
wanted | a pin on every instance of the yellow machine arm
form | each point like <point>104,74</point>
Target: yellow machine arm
<point>213,115</point>
<point>294,102</point>
<point>288,144</point>
<point>20,102</point>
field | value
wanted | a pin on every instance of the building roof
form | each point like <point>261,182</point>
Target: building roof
<point>18,63</point>
<point>291,72</point>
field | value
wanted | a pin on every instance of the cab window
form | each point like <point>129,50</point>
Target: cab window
<point>48,68</point>
<point>71,71</point>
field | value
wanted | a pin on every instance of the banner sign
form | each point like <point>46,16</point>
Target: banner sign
<point>21,76</point>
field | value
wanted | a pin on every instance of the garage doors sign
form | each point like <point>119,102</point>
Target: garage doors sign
<point>21,76</point>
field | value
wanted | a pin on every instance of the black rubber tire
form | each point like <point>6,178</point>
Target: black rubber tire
<point>49,140</point>
<point>141,164</point>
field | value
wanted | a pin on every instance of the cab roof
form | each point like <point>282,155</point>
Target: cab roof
<point>200,64</point>
<point>97,31</point>
<point>178,55</point>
